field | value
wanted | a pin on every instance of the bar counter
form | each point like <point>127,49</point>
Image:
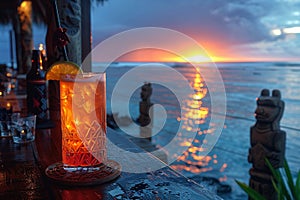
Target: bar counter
<point>22,174</point>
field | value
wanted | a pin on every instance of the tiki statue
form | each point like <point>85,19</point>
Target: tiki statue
<point>267,142</point>
<point>145,104</point>
<point>145,116</point>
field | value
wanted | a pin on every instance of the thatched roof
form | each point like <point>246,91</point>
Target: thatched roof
<point>8,10</point>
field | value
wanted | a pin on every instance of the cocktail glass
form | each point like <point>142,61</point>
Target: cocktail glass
<point>83,119</point>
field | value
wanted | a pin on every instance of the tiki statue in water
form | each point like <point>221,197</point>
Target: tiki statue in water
<point>267,142</point>
<point>145,104</point>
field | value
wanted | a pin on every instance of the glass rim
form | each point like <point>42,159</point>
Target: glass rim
<point>99,76</point>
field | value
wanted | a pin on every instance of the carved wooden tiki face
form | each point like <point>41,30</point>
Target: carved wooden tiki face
<point>269,108</point>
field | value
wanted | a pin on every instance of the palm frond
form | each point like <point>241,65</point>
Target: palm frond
<point>251,192</point>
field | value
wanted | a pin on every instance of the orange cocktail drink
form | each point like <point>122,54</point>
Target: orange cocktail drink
<point>83,119</point>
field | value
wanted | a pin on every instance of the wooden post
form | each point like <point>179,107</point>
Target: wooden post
<point>11,47</point>
<point>25,19</point>
<point>267,142</point>
<point>70,19</point>
<point>86,38</point>
<point>17,31</point>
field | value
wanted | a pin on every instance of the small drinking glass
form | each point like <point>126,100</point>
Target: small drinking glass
<point>5,128</point>
<point>23,130</point>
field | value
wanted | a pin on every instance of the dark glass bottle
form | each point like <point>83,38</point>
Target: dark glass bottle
<point>37,88</point>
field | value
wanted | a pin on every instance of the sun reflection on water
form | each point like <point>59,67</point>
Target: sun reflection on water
<point>197,115</point>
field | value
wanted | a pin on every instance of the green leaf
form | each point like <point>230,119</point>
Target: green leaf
<point>280,181</point>
<point>286,193</point>
<point>297,188</point>
<point>276,186</point>
<point>289,178</point>
<point>282,192</point>
<point>275,173</point>
<point>251,192</point>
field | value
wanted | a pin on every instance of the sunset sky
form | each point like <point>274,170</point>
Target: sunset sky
<point>229,30</point>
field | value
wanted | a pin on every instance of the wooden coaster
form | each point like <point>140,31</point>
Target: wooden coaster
<point>84,176</point>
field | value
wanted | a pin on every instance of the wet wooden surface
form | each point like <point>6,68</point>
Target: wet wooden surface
<point>22,174</point>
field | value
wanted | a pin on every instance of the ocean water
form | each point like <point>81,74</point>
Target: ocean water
<point>227,161</point>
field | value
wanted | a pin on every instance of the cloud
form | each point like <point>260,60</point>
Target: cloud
<point>230,23</point>
<point>286,48</point>
<point>235,21</point>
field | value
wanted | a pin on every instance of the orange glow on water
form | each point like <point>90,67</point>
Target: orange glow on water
<point>192,169</point>
<point>195,114</point>
<point>186,144</point>
<point>224,166</point>
<point>223,179</point>
<point>195,160</point>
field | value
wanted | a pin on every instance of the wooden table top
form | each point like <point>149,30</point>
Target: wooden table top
<point>22,174</point>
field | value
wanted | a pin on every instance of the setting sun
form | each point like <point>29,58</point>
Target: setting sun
<point>199,59</point>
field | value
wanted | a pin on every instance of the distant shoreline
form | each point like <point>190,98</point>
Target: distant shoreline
<point>182,64</point>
